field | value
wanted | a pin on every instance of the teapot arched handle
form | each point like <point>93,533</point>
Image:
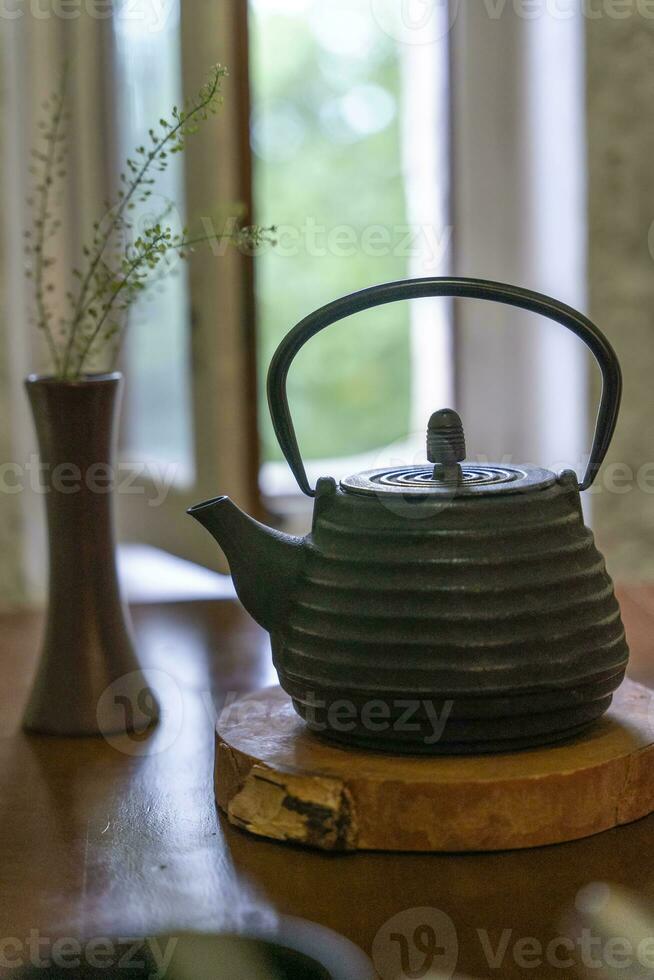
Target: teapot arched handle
<point>392,292</point>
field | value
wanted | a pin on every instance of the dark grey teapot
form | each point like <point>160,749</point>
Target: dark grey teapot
<point>443,608</point>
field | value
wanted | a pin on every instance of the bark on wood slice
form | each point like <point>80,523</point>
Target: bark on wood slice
<point>277,780</point>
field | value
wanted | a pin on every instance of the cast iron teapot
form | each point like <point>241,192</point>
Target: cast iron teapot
<point>442,608</point>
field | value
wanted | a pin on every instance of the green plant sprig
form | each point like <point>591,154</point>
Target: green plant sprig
<point>156,244</point>
<point>173,138</point>
<point>115,272</point>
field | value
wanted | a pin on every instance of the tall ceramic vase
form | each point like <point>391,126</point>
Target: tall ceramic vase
<point>88,681</point>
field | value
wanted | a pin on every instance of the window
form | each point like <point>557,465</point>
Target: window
<point>158,417</point>
<point>188,429</point>
<point>463,128</point>
<point>348,130</point>
<point>385,143</point>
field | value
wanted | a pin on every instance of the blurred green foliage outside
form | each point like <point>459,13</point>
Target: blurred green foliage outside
<point>326,140</point>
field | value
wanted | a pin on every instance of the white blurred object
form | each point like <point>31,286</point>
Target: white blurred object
<point>151,575</point>
<point>619,933</point>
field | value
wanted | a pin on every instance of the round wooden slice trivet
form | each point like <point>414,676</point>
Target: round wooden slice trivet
<point>276,779</point>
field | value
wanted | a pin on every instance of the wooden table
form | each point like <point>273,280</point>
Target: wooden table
<point>98,839</point>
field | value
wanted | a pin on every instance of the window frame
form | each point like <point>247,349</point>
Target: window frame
<point>221,296</point>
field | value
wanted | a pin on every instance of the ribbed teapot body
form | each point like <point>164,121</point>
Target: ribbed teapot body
<point>460,624</point>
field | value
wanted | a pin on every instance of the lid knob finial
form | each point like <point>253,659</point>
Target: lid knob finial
<point>446,444</point>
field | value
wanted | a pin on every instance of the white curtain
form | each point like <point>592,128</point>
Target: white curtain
<point>621,274</point>
<point>34,52</point>
<point>519,215</point>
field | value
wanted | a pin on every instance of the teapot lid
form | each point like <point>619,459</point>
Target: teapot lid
<point>448,475</point>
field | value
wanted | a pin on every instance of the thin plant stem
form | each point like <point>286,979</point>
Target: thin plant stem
<point>52,137</point>
<point>95,297</point>
<point>134,186</point>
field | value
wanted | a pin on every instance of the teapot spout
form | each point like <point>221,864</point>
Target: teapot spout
<point>265,564</point>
